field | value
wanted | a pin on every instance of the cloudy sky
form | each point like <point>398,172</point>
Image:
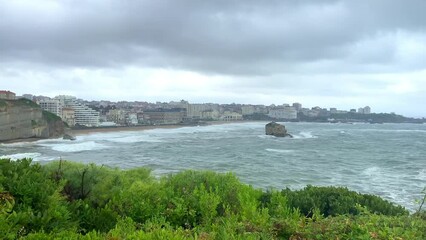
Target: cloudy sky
<point>331,53</point>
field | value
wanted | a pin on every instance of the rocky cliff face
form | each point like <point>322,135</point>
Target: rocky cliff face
<point>21,119</point>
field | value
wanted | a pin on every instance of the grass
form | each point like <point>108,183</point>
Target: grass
<point>50,117</point>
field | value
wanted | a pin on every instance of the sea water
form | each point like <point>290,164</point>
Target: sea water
<point>388,160</point>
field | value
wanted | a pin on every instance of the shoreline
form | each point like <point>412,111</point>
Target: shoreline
<point>19,140</point>
<point>86,131</point>
<point>79,132</point>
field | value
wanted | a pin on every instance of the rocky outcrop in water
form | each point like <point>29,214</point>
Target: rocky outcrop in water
<point>276,129</point>
<point>21,119</point>
<point>68,136</point>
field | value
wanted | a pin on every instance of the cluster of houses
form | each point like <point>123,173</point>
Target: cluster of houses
<point>78,112</point>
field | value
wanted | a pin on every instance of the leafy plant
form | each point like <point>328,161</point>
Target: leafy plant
<point>67,200</point>
<point>333,201</point>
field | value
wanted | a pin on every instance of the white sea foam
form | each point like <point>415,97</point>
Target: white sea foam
<point>304,135</point>
<point>393,130</point>
<point>33,155</point>
<point>421,175</point>
<point>17,144</point>
<point>121,137</point>
<point>78,147</point>
<point>135,139</point>
<point>265,136</point>
<point>372,171</point>
<point>279,150</point>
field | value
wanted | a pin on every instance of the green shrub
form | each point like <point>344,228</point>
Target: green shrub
<point>66,200</point>
<point>24,102</point>
<point>38,204</point>
<point>186,189</point>
<point>333,201</point>
<point>96,192</point>
<point>50,117</point>
<point>365,226</point>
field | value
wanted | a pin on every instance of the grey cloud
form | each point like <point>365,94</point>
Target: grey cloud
<point>224,37</point>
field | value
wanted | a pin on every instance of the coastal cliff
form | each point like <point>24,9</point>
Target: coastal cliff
<point>22,119</point>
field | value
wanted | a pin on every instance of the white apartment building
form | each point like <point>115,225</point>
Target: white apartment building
<point>132,119</point>
<point>248,110</point>
<point>283,113</point>
<point>196,110</point>
<point>364,110</point>
<point>84,115</point>
<point>367,110</point>
<point>51,105</point>
<point>117,116</point>
<point>231,116</point>
<point>210,114</point>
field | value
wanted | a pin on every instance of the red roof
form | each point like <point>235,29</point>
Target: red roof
<point>4,91</point>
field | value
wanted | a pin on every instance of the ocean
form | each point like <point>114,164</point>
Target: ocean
<point>388,160</point>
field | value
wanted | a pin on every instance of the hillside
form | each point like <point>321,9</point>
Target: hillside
<point>22,119</point>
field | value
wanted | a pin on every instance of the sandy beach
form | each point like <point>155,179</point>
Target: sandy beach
<point>79,132</point>
<point>76,132</point>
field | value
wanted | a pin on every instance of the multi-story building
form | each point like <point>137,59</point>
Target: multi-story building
<point>283,113</point>
<point>164,116</point>
<point>195,111</point>
<point>367,110</point>
<point>248,110</point>
<point>68,116</point>
<point>132,119</point>
<point>84,115</point>
<point>364,110</point>
<point>210,114</point>
<point>8,95</point>
<point>297,106</point>
<point>28,96</point>
<point>51,105</point>
<point>117,116</point>
<point>231,116</point>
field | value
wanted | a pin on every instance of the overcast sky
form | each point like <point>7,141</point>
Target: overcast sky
<point>330,53</point>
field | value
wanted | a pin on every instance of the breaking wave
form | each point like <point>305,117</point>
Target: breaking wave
<point>78,147</point>
<point>279,150</point>
<point>303,135</point>
<point>14,157</point>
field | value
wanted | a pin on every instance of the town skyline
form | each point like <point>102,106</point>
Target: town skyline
<point>341,101</point>
<point>84,113</point>
<point>346,107</point>
<point>40,96</point>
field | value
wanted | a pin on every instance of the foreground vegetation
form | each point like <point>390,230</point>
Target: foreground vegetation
<point>66,200</point>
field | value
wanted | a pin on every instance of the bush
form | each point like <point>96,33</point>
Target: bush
<point>333,201</point>
<point>364,226</point>
<point>187,193</point>
<point>37,202</point>
<point>66,200</point>
<point>50,117</point>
